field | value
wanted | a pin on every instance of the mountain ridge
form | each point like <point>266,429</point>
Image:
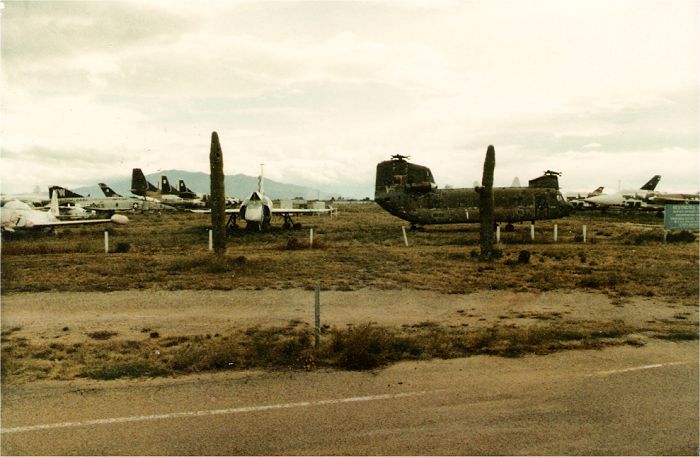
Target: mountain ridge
<point>238,185</point>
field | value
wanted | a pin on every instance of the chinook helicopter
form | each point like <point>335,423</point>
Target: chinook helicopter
<point>408,191</point>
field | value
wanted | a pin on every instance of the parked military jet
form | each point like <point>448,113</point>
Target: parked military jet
<point>108,204</point>
<point>108,190</point>
<point>409,192</point>
<point>578,200</point>
<point>257,211</point>
<point>166,193</point>
<point>659,199</point>
<point>18,215</point>
<point>629,198</point>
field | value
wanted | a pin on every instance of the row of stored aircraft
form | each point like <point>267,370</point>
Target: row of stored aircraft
<point>19,215</point>
<point>72,208</point>
<point>404,189</point>
<point>408,191</point>
<point>646,198</point>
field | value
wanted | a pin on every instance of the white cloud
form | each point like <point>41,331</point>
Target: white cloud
<point>322,91</point>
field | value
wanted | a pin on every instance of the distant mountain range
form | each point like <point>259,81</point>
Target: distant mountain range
<point>240,186</point>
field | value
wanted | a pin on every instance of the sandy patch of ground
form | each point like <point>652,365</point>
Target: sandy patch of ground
<point>71,315</point>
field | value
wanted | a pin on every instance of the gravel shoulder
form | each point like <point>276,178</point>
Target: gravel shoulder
<point>70,315</point>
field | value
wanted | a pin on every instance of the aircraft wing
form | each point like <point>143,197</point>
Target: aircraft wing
<point>207,211</point>
<point>274,211</point>
<point>40,225</point>
<point>73,222</point>
<point>300,211</point>
<point>662,199</point>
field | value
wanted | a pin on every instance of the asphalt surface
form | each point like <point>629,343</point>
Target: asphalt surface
<point>622,400</point>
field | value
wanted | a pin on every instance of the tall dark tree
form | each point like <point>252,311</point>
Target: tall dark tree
<point>486,205</point>
<point>218,196</point>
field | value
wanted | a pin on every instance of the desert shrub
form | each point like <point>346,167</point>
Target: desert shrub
<point>556,255</point>
<point>274,347</point>
<point>271,348</point>
<point>207,263</point>
<point>122,247</point>
<point>293,244</point>
<point>102,335</point>
<point>647,237</point>
<point>214,355</point>
<point>524,256</point>
<point>679,335</point>
<point>124,369</point>
<point>600,280</point>
<point>360,347</point>
<point>680,237</point>
<point>10,331</point>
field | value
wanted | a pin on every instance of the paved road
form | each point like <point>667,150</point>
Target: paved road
<point>617,401</point>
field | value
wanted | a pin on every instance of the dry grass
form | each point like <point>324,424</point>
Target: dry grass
<point>360,347</point>
<point>362,248</point>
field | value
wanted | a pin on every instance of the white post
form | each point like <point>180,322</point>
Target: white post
<point>584,233</point>
<point>532,232</point>
<point>106,242</point>
<point>556,229</point>
<point>665,235</point>
<point>211,240</point>
<point>311,238</point>
<point>498,234</point>
<point>405,238</point>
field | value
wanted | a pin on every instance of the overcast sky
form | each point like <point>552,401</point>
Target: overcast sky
<point>603,91</point>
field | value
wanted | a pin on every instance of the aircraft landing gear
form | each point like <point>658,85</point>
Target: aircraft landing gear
<point>231,225</point>
<point>289,223</point>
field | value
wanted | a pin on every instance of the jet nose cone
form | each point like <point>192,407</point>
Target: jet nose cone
<point>254,214</point>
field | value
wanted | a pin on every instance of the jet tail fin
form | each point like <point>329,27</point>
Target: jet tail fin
<point>166,188</point>
<point>185,192</point>
<point>108,190</point>
<point>598,191</point>
<point>139,184</point>
<point>651,184</point>
<point>182,187</point>
<point>63,192</point>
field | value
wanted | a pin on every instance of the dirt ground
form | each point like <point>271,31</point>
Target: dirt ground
<point>68,317</point>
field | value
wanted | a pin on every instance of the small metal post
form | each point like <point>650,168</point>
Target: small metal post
<point>532,232</point>
<point>311,238</point>
<point>556,232</point>
<point>211,240</point>
<point>106,242</point>
<point>405,238</point>
<point>584,233</point>
<point>498,234</point>
<point>317,316</point>
<point>665,236</point>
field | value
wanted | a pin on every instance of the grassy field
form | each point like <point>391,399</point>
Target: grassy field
<point>362,248</point>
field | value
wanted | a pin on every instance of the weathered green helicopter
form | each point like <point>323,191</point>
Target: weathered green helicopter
<point>408,191</point>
